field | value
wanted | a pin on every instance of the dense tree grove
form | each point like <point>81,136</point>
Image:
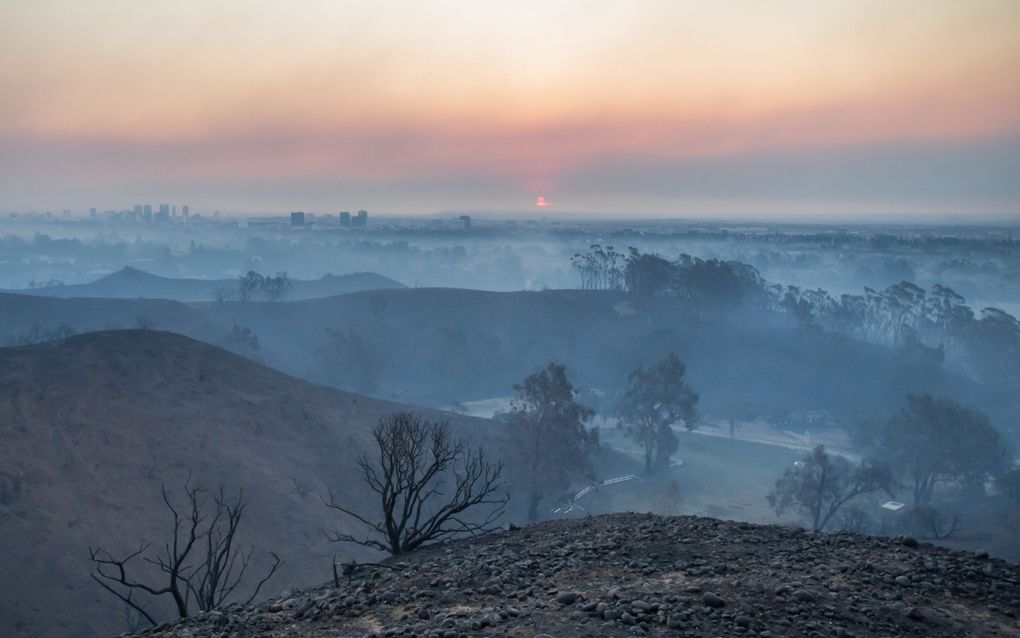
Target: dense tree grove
<point>601,268</point>
<point>925,325</point>
<point>705,284</point>
<point>922,324</point>
<point>255,286</point>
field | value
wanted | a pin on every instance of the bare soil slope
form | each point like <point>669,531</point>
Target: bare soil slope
<point>91,426</point>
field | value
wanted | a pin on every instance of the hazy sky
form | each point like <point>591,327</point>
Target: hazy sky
<point>651,107</point>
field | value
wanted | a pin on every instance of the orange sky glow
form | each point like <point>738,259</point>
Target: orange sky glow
<point>267,105</point>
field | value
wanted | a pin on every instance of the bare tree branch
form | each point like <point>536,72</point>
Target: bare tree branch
<point>202,562</point>
<point>417,462</point>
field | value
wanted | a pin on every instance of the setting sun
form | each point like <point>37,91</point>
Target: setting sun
<point>666,108</point>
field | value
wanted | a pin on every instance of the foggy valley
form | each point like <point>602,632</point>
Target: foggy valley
<point>271,382</point>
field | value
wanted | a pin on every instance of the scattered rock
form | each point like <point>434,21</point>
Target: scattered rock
<point>566,597</point>
<point>712,600</point>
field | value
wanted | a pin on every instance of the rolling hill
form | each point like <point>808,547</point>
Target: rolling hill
<point>28,319</point>
<point>92,425</point>
<point>439,346</point>
<point>132,283</point>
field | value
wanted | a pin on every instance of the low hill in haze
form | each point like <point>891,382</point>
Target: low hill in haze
<point>438,346</point>
<point>92,425</point>
<point>26,319</point>
<point>132,283</point>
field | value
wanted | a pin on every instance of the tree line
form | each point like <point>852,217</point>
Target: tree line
<point>924,324</point>
<point>253,286</point>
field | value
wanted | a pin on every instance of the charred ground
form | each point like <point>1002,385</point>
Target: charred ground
<point>632,574</point>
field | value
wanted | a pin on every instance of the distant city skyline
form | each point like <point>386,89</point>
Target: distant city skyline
<point>790,109</point>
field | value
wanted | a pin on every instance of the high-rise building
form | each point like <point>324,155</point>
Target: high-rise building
<point>345,219</point>
<point>186,211</point>
<point>92,212</point>
<point>361,221</point>
<point>297,219</point>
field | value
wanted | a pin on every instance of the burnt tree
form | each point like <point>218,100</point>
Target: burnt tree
<point>200,567</point>
<point>430,486</point>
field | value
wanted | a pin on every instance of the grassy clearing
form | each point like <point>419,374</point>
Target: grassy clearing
<point>719,477</point>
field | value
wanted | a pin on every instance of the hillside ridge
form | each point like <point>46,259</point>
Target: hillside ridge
<point>93,425</point>
<point>641,574</point>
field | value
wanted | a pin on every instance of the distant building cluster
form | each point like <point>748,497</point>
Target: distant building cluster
<point>164,213</point>
<point>345,219</point>
<point>181,214</point>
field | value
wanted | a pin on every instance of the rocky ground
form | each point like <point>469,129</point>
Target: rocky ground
<point>630,574</point>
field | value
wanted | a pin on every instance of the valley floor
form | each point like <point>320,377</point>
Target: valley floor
<point>728,475</point>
